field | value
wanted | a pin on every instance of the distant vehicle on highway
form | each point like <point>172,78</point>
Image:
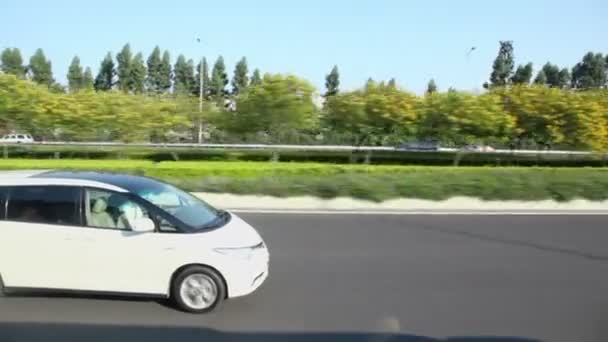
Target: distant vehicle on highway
<point>123,234</point>
<point>420,145</point>
<point>478,148</point>
<point>16,139</point>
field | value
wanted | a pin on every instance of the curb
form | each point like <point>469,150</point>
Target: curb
<point>401,206</point>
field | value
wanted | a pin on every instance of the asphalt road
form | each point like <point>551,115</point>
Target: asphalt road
<point>374,278</point>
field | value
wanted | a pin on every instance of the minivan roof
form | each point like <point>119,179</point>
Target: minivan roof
<point>128,182</point>
<point>46,177</point>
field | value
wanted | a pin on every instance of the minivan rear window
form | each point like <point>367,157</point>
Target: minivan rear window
<point>44,204</point>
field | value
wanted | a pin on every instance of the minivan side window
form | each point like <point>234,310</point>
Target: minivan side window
<point>44,204</point>
<point>110,210</point>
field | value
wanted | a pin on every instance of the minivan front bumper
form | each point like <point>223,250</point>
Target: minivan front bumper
<point>248,275</point>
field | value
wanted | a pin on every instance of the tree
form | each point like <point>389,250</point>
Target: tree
<point>256,78</point>
<point>164,75</point>
<point>75,75</point>
<point>41,69</point>
<point>431,87</point>
<point>523,74</point>
<point>124,59</point>
<point>240,80</point>
<point>375,111</point>
<point>590,73</point>
<point>57,88</point>
<point>12,63</point>
<point>564,78</point>
<point>87,79</point>
<point>541,78</point>
<point>332,82</point>
<point>503,65</point>
<point>154,65</point>
<point>552,74</point>
<point>392,83</point>
<point>219,79</point>
<point>137,77</point>
<point>277,105</point>
<point>105,77</point>
<point>549,116</point>
<point>370,83</point>
<point>183,78</point>
<point>460,117</point>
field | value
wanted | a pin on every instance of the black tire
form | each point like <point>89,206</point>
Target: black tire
<point>210,274</point>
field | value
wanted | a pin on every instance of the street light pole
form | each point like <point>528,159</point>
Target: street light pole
<point>200,99</point>
<point>200,91</point>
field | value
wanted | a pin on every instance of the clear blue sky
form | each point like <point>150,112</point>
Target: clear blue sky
<point>411,40</point>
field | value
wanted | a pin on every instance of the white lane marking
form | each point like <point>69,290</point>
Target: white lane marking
<point>422,212</point>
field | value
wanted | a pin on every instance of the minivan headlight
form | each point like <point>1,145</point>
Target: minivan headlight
<point>240,252</point>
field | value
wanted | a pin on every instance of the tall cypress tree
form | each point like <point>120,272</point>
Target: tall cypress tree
<point>75,76</point>
<point>256,78</point>
<point>564,78</point>
<point>105,77</point>
<point>124,59</point>
<point>137,78</point>
<point>87,79</point>
<point>154,66</point>
<point>240,80</point>
<point>41,69</point>
<point>332,82</point>
<point>183,75</point>
<point>541,78</point>
<point>219,79</point>
<point>164,81</point>
<point>12,62</point>
<point>503,65</point>
<point>431,87</point>
<point>392,83</point>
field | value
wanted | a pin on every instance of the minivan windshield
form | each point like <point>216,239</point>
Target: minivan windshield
<point>185,207</point>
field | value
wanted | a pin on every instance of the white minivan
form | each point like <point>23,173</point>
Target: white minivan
<point>123,234</point>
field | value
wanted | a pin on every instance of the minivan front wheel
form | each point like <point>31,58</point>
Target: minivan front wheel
<point>198,289</point>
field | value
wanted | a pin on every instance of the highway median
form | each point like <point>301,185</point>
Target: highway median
<point>377,183</point>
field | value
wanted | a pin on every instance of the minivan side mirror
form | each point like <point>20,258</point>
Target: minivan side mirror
<point>143,225</point>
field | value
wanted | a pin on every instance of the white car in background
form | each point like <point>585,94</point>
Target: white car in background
<point>16,139</point>
<point>123,234</point>
<point>478,148</point>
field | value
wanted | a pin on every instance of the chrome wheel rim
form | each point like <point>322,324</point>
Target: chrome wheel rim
<point>198,291</point>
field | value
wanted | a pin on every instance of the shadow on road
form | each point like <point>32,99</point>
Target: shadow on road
<point>34,332</point>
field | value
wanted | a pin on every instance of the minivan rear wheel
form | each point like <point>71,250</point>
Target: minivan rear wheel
<point>198,289</point>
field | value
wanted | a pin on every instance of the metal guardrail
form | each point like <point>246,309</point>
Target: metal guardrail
<point>326,148</point>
